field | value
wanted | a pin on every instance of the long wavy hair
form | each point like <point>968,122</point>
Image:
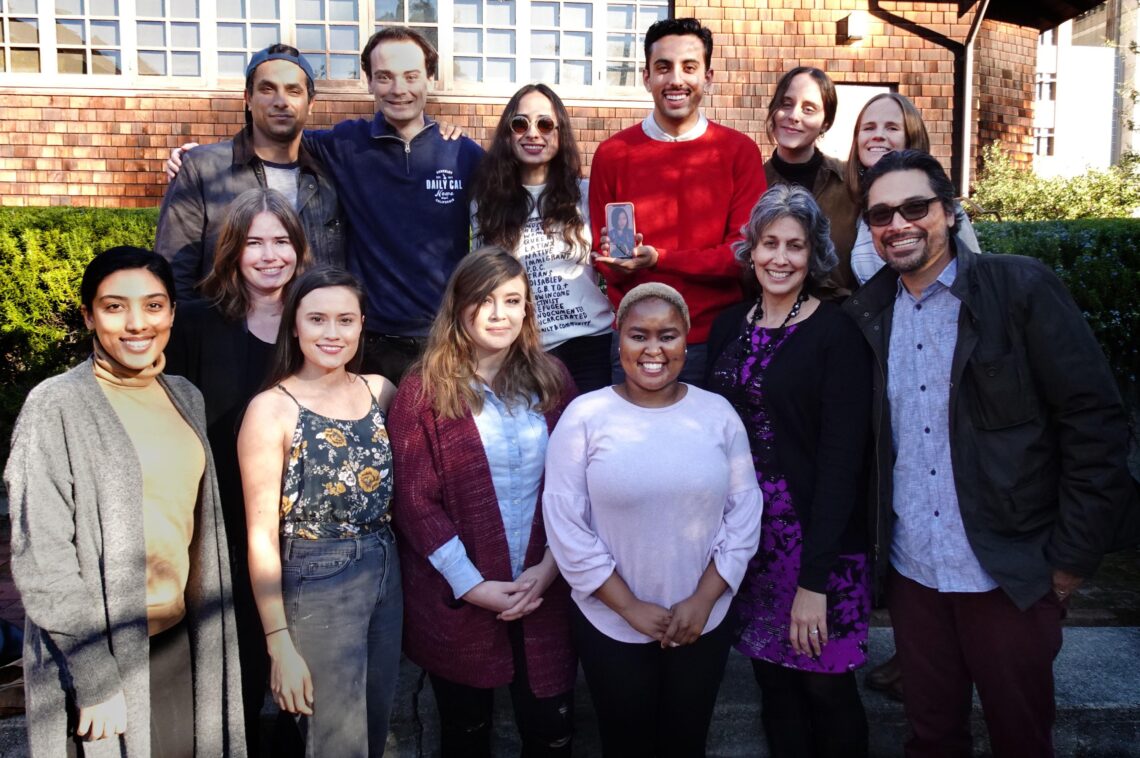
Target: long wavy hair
<point>449,364</point>
<point>224,286</point>
<point>503,203</point>
<point>914,130</point>
<point>287,355</point>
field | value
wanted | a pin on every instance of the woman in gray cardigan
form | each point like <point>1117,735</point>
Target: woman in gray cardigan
<point>118,546</point>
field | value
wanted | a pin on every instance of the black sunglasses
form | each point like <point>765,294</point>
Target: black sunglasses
<point>544,124</point>
<point>911,210</point>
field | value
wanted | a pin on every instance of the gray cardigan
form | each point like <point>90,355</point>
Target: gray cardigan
<point>79,561</point>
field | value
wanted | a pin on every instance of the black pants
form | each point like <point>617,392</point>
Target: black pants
<point>545,724</point>
<point>652,701</point>
<point>588,359</point>
<point>810,715</point>
<point>390,356</point>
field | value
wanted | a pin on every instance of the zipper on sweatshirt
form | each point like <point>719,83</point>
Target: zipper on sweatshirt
<point>408,145</point>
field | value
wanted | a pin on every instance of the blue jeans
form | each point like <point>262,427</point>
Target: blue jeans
<point>693,373</point>
<point>345,609</point>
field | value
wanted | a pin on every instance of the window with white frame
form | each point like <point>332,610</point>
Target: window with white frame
<point>586,48</point>
<point>1046,87</point>
<point>1043,141</point>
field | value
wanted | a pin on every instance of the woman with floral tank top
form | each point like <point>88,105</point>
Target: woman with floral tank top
<point>316,468</point>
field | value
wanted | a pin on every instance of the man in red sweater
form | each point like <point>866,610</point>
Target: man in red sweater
<point>692,183</point>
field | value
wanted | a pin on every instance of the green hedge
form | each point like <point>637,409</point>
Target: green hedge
<point>43,253</point>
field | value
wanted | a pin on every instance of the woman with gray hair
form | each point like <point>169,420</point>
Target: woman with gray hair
<point>798,375</point>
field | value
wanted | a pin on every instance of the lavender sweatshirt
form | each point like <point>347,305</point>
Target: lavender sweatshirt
<point>654,494</point>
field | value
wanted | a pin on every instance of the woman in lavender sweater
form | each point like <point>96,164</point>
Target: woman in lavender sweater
<point>652,512</point>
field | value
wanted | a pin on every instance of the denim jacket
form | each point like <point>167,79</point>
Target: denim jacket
<point>1038,431</point>
<point>211,177</point>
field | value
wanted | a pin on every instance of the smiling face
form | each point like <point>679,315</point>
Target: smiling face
<point>652,350</point>
<point>918,249</point>
<point>268,259</point>
<point>494,324</point>
<point>278,101</point>
<point>533,149</point>
<point>131,315</point>
<point>677,79</point>
<point>881,130</point>
<point>799,119</point>
<point>328,327</point>
<point>399,83</point>
<point>780,257</point>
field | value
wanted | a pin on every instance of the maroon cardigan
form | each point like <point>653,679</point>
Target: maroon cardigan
<point>444,488</point>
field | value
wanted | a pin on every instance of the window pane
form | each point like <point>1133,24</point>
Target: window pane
<point>231,64</point>
<point>311,10</point>
<point>576,72</point>
<point>105,33</point>
<point>105,62</point>
<point>578,44</point>
<point>423,11</point>
<point>501,12</point>
<point>231,35</point>
<point>152,63</point>
<point>184,64</point>
<point>619,16</point>
<point>311,37</point>
<point>621,75</point>
<point>26,61</point>
<point>69,8</point>
<point>431,33</point>
<point>468,41</point>
<point>544,71</point>
<point>651,15</point>
<point>500,42</point>
<point>544,14</point>
<point>24,6</point>
<point>184,35</point>
<point>544,43</point>
<point>577,15</point>
<point>500,70</point>
<point>468,69</point>
<point>389,10</point>
<point>264,35</point>
<point>344,67</point>
<point>149,7</point>
<point>621,46</point>
<point>317,63</point>
<point>468,11</point>
<point>69,33</point>
<point>104,7</point>
<point>342,10</point>
<point>184,8</point>
<point>231,8</point>
<point>343,38</point>
<point>152,33</point>
<point>26,30</point>
<point>71,62</point>
<point>264,9</point>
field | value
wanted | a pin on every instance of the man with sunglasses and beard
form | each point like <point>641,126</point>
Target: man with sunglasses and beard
<point>1002,443</point>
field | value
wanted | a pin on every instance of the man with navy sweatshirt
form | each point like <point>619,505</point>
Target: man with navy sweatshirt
<point>404,191</point>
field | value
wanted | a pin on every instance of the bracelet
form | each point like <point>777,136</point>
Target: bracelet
<point>275,631</point>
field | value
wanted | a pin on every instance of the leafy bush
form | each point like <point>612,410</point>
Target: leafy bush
<point>43,252</point>
<point>1020,195</point>
<point>1099,261</point>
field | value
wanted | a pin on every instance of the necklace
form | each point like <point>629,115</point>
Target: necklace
<point>758,312</point>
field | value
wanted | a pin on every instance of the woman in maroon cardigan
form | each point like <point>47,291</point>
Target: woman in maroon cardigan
<point>484,605</point>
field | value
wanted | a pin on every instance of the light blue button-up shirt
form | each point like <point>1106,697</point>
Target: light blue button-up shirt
<point>514,440</point>
<point>929,544</point>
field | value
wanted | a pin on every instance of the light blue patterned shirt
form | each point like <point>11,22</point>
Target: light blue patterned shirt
<point>514,440</point>
<point>929,544</point>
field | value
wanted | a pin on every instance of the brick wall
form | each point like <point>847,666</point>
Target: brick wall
<point>106,149</point>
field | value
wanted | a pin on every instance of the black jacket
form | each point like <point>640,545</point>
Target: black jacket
<point>1038,432</point>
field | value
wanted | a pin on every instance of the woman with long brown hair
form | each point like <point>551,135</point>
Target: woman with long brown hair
<point>485,605</point>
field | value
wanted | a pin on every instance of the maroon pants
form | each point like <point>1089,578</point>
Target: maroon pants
<point>948,641</point>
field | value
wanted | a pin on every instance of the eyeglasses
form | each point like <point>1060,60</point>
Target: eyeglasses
<point>911,210</point>
<point>521,125</point>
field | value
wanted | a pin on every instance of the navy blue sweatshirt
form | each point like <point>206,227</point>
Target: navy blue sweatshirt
<point>408,215</point>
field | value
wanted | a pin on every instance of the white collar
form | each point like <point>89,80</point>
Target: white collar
<point>655,132</point>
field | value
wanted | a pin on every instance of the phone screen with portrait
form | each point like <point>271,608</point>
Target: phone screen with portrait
<point>620,229</point>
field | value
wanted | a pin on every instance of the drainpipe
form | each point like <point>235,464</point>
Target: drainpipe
<point>964,103</point>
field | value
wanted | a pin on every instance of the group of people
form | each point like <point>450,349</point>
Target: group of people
<point>420,399</point>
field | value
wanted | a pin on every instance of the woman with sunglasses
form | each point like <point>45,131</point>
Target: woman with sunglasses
<point>801,111</point>
<point>530,199</point>
<point>888,122</point>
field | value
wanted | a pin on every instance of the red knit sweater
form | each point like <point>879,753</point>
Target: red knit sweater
<point>690,200</point>
<point>444,488</point>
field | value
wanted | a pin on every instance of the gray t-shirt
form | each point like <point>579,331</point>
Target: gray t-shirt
<point>283,178</point>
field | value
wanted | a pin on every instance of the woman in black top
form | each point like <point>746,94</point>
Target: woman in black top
<point>224,345</point>
<point>797,372</point>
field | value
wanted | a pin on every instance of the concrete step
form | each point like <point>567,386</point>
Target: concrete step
<point>1098,707</point>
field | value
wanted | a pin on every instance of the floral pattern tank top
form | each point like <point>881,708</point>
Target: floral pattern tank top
<point>338,479</point>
